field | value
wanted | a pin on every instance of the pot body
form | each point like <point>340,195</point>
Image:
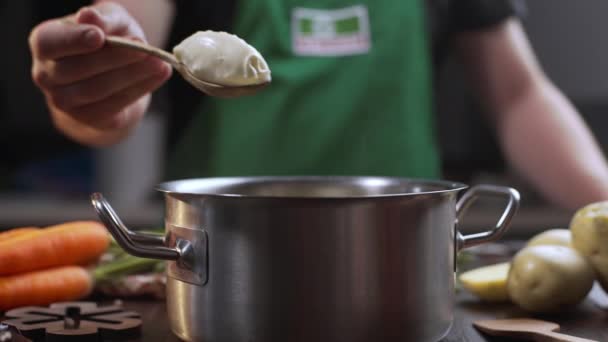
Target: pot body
<point>348,259</point>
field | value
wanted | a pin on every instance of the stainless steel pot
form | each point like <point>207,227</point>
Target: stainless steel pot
<point>324,259</point>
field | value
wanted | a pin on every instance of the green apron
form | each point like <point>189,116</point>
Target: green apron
<point>350,95</point>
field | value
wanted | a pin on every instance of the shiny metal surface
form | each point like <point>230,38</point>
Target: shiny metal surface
<point>193,245</point>
<point>319,259</point>
<point>308,187</point>
<point>512,196</point>
<point>187,247</point>
<point>137,244</point>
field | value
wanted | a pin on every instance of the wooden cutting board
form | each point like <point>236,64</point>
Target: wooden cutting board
<point>75,321</point>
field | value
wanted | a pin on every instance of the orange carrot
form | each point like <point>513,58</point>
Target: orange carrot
<point>71,243</point>
<point>44,287</point>
<point>14,232</point>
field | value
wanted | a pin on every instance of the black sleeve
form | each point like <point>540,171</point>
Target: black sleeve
<point>470,15</point>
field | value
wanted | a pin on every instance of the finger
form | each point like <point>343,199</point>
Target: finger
<point>76,68</point>
<point>111,18</point>
<point>60,38</point>
<point>105,85</point>
<point>107,113</point>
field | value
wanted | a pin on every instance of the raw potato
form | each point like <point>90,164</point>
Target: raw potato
<point>549,278</point>
<point>589,228</point>
<point>489,283</point>
<point>559,237</point>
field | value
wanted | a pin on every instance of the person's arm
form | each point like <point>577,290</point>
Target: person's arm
<point>542,135</point>
<point>97,94</point>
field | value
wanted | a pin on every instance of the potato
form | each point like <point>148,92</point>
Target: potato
<point>589,227</point>
<point>549,278</point>
<point>560,237</point>
<point>489,283</point>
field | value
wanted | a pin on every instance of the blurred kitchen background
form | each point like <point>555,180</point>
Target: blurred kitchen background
<point>45,178</point>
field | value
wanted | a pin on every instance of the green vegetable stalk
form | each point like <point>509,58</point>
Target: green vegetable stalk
<point>122,264</point>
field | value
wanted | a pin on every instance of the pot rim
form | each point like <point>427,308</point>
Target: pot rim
<point>214,186</point>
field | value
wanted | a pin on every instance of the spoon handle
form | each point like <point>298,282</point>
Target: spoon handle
<point>550,336</point>
<point>143,47</point>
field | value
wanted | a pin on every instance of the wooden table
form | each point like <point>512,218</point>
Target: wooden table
<point>586,321</point>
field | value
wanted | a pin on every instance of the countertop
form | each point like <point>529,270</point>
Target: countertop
<point>586,321</point>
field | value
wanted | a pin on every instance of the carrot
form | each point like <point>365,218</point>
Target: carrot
<point>71,243</point>
<point>14,232</point>
<point>44,287</point>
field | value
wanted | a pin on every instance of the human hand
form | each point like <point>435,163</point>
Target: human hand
<point>87,82</point>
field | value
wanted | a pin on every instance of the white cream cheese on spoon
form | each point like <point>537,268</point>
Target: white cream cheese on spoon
<point>222,58</point>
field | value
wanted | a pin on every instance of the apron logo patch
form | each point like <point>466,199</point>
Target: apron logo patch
<point>340,32</point>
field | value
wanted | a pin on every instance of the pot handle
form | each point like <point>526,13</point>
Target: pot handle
<point>466,241</point>
<point>187,247</point>
<point>137,244</point>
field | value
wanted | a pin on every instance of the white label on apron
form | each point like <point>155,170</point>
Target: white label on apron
<point>338,32</point>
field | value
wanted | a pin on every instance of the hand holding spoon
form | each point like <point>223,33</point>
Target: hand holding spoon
<point>210,88</point>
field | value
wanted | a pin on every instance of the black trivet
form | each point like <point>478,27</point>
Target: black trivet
<point>75,321</point>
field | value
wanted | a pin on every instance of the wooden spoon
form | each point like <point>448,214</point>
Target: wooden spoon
<point>209,88</point>
<point>531,329</point>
